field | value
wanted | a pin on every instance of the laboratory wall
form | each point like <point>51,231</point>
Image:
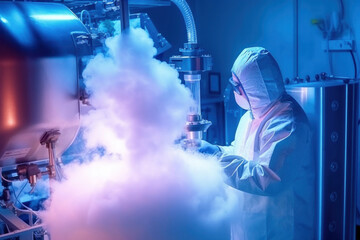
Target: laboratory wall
<point>227,28</point>
<point>290,29</point>
<point>296,32</point>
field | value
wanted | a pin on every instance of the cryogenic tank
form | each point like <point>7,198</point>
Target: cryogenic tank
<point>331,107</point>
<point>39,83</point>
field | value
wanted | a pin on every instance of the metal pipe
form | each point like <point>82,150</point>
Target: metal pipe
<point>49,139</point>
<point>52,157</point>
<point>125,15</point>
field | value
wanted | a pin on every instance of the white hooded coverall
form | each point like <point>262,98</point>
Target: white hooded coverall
<point>269,161</point>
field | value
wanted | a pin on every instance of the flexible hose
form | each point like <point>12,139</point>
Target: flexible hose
<point>82,17</point>
<point>355,66</point>
<point>189,20</point>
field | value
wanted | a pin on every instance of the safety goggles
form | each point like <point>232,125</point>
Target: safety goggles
<point>235,85</point>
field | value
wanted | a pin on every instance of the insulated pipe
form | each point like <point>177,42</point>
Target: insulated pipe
<point>189,20</point>
<point>125,15</point>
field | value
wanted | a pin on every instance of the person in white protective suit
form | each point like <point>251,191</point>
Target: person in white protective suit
<point>269,161</point>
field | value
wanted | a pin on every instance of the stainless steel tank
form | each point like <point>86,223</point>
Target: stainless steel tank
<point>332,109</point>
<point>39,84</point>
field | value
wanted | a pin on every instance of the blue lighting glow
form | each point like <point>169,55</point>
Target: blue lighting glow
<point>3,20</point>
<point>52,17</point>
<point>304,95</point>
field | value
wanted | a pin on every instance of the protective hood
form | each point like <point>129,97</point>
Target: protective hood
<point>261,79</point>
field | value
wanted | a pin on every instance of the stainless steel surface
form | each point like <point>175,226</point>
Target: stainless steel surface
<point>23,234</point>
<point>16,225</point>
<point>194,135</point>
<point>331,107</point>
<point>39,87</point>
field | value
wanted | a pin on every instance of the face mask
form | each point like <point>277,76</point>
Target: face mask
<point>242,101</point>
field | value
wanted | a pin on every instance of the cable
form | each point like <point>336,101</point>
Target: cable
<point>22,210</point>
<point>59,172</point>
<point>16,196</point>
<point>354,61</point>
<point>3,178</point>
<point>23,205</point>
<point>33,189</point>
<point>342,9</point>
<point>7,228</point>
<point>82,17</point>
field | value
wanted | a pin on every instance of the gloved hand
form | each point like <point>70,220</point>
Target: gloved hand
<point>208,148</point>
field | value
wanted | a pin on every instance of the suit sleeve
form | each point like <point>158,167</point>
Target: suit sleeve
<point>274,163</point>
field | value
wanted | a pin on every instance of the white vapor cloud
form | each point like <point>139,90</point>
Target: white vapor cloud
<point>142,186</point>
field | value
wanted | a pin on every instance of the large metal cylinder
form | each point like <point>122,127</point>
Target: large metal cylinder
<point>331,107</point>
<point>39,85</point>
